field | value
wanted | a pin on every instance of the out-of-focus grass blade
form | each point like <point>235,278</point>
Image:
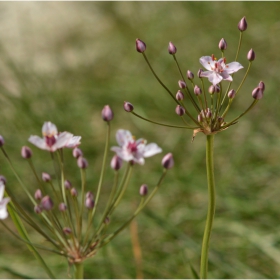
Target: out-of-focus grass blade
<point>194,273</point>
<point>15,273</point>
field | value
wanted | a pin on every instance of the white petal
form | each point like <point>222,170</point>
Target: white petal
<point>39,142</point>
<point>206,62</point>
<point>3,208</point>
<point>49,129</point>
<point>123,137</point>
<point>73,142</point>
<point>212,76</point>
<point>226,76</point>
<point>152,149</point>
<point>233,67</point>
<point>2,190</point>
<point>123,154</point>
<point>61,140</point>
<point>141,160</point>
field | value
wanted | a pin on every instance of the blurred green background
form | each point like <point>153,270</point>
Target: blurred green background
<point>63,61</point>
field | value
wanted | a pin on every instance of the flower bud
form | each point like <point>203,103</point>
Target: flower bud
<point>242,25</point>
<point>167,161</point>
<point>67,184</point>
<point>82,163</point>
<point>179,95</point>
<point>182,84</point>
<point>140,46</point>
<point>180,111</point>
<point>46,203</point>
<point>74,192</point>
<point>199,73</point>
<point>231,93</point>
<point>62,207</point>
<point>208,114</point>
<point>3,179</point>
<point>262,85</point>
<point>128,107</point>
<point>89,195</point>
<point>143,190</point>
<point>89,203</point>
<point>38,194</point>
<point>46,177</point>
<point>190,75</point>
<point>26,152</point>
<point>251,55</point>
<point>200,118</point>
<point>67,230</point>
<point>116,163</point>
<point>77,152</point>
<point>171,48</point>
<point>222,44</point>
<point>211,89</point>
<point>197,90</point>
<point>37,209</point>
<point>107,113</point>
<point>2,141</point>
<point>257,93</point>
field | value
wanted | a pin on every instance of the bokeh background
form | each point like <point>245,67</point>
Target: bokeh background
<point>63,61</point>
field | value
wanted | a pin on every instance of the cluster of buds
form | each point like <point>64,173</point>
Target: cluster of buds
<point>68,212</point>
<point>211,107</point>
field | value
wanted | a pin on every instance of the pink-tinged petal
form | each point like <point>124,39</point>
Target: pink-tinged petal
<point>151,149</point>
<point>74,142</point>
<point>206,62</point>
<point>2,189</point>
<point>123,137</point>
<point>3,208</point>
<point>226,76</point>
<point>141,161</point>
<point>62,140</point>
<point>38,142</point>
<point>49,129</point>
<point>213,77</point>
<point>233,67</point>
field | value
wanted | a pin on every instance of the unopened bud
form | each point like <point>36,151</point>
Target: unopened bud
<point>128,107</point>
<point>242,25</point>
<point>107,113</point>
<point>26,152</point>
<point>3,179</point>
<point>140,46</point>
<point>82,163</point>
<point>182,84</point>
<point>180,111</point>
<point>222,44</point>
<point>89,203</point>
<point>46,203</point>
<point>167,161</point>
<point>200,118</point>
<point>197,90</point>
<point>67,184</point>
<point>251,55</point>
<point>190,75</point>
<point>2,141</point>
<point>220,119</point>
<point>211,89</point>
<point>62,207</point>
<point>143,190</point>
<point>179,95</point>
<point>67,230</point>
<point>262,85</point>
<point>199,73</point>
<point>171,48</point>
<point>116,163</point>
<point>74,192</point>
<point>89,195</point>
<point>257,93</point>
<point>37,209</point>
<point>77,152</point>
<point>38,194</point>
<point>208,114</point>
<point>231,93</point>
<point>46,177</point>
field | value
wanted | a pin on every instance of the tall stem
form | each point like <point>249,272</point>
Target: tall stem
<point>211,207</point>
<point>79,273</point>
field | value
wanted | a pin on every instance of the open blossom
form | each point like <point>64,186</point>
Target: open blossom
<point>52,140</point>
<point>218,70</point>
<point>3,202</point>
<point>134,150</point>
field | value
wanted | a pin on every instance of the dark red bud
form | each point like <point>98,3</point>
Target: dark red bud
<point>197,90</point>
<point>38,194</point>
<point>37,209</point>
<point>62,207</point>
<point>67,230</point>
<point>199,73</point>
<point>26,152</point>
<point>107,113</point>
<point>222,44</point>
<point>67,184</point>
<point>140,46</point>
<point>231,93</point>
<point>180,111</point>
<point>190,75</point>
<point>251,55</point>
<point>167,161</point>
<point>182,84</point>
<point>171,48</point>
<point>77,152</point>
<point>257,93</point>
<point>242,25</point>
<point>46,177</point>
<point>46,203</point>
<point>262,85</point>
<point>82,163</point>
<point>74,192</point>
<point>180,95</point>
<point>143,190</point>
<point>128,107</point>
<point>116,163</point>
<point>89,203</point>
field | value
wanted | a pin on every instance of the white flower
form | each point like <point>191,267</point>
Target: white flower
<point>218,70</point>
<point>3,202</point>
<point>134,150</point>
<point>52,140</point>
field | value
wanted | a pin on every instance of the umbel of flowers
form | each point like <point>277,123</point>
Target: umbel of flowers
<point>211,103</point>
<point>65,214</point>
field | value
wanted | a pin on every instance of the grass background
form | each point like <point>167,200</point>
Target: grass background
<point>63,61</point>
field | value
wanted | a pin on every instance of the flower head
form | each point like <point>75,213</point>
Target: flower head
<point>3,202</point>
<point>52,140</point>
<point>218,70</point>
<point>134,150</point>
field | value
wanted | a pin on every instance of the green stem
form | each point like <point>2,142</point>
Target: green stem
<point>79,273</point>
<point>211,207</point>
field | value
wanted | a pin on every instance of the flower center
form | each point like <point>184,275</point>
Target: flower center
<point>132,147</point>
<point>50,140</point>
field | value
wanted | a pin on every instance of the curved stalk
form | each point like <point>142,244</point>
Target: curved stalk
<point>79,273</point>
<point>211,207</point>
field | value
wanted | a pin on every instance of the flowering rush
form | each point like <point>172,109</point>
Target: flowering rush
<point>218,70</point>
<point>134,150</point>
<point>3,202</point>
<point>52,140</point>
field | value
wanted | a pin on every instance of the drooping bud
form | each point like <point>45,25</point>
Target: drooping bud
<point>67,184</point>
<point>37,209</point>
<point>171,48</point>
<point>82,163</point>
<point>3,179</point>
<point>140,46</point>
<point>222,44</point>
<point>180,111</point>
<point>38,194</point>
<point>67,230</point>
<point>180,95</point>
<point>62,207</point>
<point>251,55</point>
<point>257,93</point>
<point>182,84</point>
<point>107,113</point>
<point>242,25</point>
<point>143,190</point>
<point>190,75</point>
<point>74,192</point>
<point>26,152</point>
<point>199,73</point>
<point>46,177</point>
<point>167,161</point>
<point>116,163</point>
<point>2,141</point>
<point>77,152</point>
<point>197,90</point>
<point>128,107</point>
<point>46,203</point>
<point>89,203</point>
<point>231,93</point>
<point>262,85</point>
